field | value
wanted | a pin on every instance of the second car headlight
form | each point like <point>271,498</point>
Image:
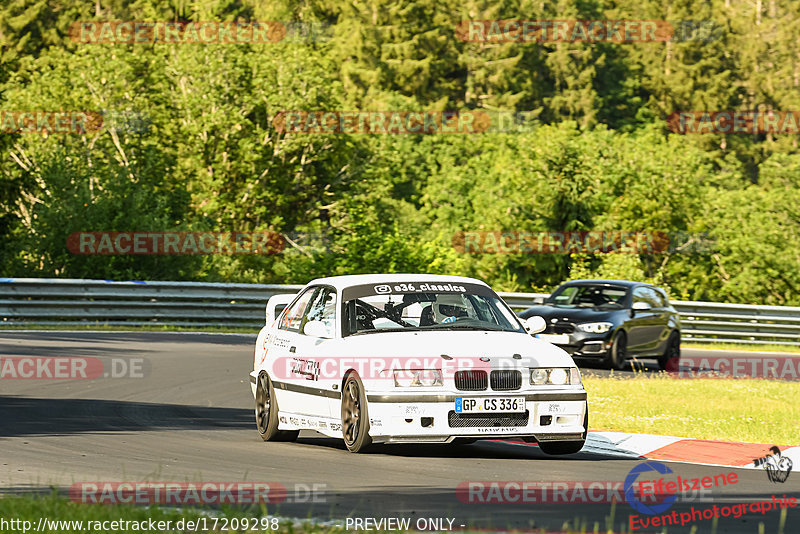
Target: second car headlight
<point>596,328</point>
<point>558,376</point>
<point>417,377</point>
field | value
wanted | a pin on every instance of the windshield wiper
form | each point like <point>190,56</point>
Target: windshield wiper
<point>471,327</point>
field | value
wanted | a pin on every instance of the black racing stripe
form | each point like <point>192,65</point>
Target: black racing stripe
<point>307,390</point>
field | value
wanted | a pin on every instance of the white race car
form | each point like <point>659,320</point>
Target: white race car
<point>413,358</point>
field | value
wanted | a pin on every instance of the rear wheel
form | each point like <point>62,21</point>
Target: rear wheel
<point>618,353</point>
<point>672,353</point>
<point>355,418</point>
<point>267,413</point>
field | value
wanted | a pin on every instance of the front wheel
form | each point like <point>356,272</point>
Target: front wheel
<point>355,419</point>
<point>618,353</point>
<point>672,353</point>
<point>267,413</point>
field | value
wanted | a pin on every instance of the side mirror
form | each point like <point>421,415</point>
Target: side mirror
<point>275,305</point>
<point>538,301</point>
<point>317,329</point>
<point>641,306</point>
<point>535,324</point>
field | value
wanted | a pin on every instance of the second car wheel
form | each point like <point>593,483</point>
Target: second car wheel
<point>618,353</point>
<point>672,352</point>
<point>355,419</point>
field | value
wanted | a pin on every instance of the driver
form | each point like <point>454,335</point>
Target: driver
<point>447,308</point>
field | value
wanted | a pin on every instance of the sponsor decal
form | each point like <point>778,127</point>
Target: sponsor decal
<point>307,368</point>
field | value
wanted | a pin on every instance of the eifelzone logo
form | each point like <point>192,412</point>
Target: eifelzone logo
<point>383,289</point>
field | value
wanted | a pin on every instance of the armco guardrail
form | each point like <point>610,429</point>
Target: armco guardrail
<point>44,301</point>
<point>47,301</point>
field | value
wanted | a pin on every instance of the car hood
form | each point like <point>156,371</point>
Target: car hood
<point>576,315</point>
<point>498,347</point>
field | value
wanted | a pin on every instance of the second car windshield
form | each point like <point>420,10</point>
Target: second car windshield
<point>588,296</point>
<point>428,311</point>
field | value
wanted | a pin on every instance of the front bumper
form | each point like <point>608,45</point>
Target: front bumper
<point>554,415</point>
<point>583,344</point>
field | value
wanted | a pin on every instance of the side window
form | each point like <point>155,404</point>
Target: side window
<point>643,294</point>
<point>664,297</point>
<point>323,309</point>
<point>658,297</point>
<point>293,316</point>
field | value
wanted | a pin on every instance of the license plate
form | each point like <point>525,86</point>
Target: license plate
<point>559,339</point>
<point>490,404</point>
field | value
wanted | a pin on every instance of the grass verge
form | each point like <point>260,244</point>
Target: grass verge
<point>743,347</point>
<point>741,410</point>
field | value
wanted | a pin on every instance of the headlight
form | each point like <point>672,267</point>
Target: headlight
<point>558,376</point>
<point>596,328</point>
<point>404,378</point>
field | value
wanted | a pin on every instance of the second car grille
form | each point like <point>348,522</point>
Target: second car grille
<point>471,380</point>
<point>560,328</point>
<point>506,380</point>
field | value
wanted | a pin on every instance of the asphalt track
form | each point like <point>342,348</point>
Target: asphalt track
<point>189,417</point>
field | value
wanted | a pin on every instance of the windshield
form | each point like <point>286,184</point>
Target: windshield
<point>588,296</point>
<point>427,306</point>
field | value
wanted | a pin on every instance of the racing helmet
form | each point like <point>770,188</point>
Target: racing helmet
<point>448,306</point>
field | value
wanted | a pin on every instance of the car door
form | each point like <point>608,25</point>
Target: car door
<point>640,322</point>
<point>281,347</point>
<point>309,394</point>
<point>661,323</point>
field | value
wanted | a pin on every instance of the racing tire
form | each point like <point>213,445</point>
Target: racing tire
<point>267,413</point>
<point>672,352</point>
<point>618,353</point>
<point>355,417</point>
<point>555,448</point>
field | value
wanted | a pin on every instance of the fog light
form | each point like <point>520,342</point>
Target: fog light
<point>545,420</point>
